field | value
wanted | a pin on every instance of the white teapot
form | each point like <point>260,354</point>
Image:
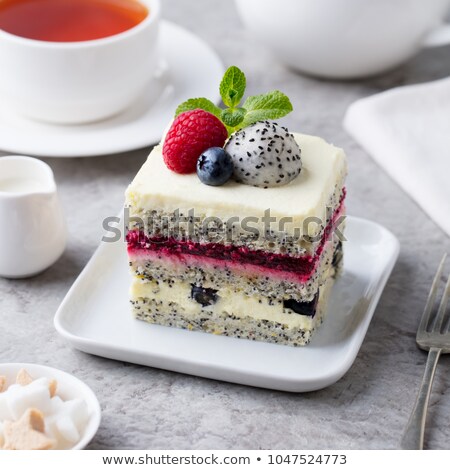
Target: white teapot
<point>346,38</point>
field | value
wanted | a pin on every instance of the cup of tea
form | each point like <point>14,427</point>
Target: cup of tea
<point>32,228</point>
<point>76,61</point>
<point>346,38</point>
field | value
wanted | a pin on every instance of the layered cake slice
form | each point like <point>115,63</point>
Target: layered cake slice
<point>248,247</point>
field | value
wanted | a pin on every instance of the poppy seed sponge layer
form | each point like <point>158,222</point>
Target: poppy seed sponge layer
<point>234,314</point>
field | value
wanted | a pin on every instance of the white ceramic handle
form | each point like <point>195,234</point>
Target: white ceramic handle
<point>439,36</point>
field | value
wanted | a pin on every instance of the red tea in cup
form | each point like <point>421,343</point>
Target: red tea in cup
<point>70,20</point>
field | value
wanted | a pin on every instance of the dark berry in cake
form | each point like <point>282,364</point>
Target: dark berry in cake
<point>302,308</point>
<point>204,296</point>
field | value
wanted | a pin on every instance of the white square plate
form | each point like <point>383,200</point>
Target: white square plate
<point>95,317</point>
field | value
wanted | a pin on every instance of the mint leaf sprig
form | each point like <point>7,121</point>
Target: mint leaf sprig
<point>271,105</point>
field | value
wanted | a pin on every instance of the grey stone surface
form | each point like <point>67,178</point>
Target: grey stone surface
<point>149,408</point>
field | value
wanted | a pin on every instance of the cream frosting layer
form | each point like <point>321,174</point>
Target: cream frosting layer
<point>229,302</point>
<point>155,187</point>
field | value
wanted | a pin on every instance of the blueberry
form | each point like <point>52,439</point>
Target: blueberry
<point>303,308</point>
<point>214,166</point>
<point>203,295</point>
<point>338,255</point>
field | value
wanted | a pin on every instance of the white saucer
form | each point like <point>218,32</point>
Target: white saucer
<point>95,317</point>
<point>193,70</point>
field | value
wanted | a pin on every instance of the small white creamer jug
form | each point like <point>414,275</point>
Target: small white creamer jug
<point>32,227</point>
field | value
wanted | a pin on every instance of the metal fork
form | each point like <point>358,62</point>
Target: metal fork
<point>433,336</point>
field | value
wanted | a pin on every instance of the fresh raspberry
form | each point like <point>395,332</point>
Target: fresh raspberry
<point>190,135</point>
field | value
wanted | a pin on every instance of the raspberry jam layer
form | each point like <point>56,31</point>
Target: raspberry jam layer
<point>302,267</point>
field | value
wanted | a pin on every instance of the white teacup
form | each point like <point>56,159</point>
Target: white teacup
<point>346,38</point>
<point>32,227</point>
<point>78,82</point>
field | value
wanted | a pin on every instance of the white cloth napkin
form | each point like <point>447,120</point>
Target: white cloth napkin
<point>407,131</point>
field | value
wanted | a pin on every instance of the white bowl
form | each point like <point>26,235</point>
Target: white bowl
<point>69,387</point>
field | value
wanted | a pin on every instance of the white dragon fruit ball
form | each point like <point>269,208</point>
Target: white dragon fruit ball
<point>264,155</point>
